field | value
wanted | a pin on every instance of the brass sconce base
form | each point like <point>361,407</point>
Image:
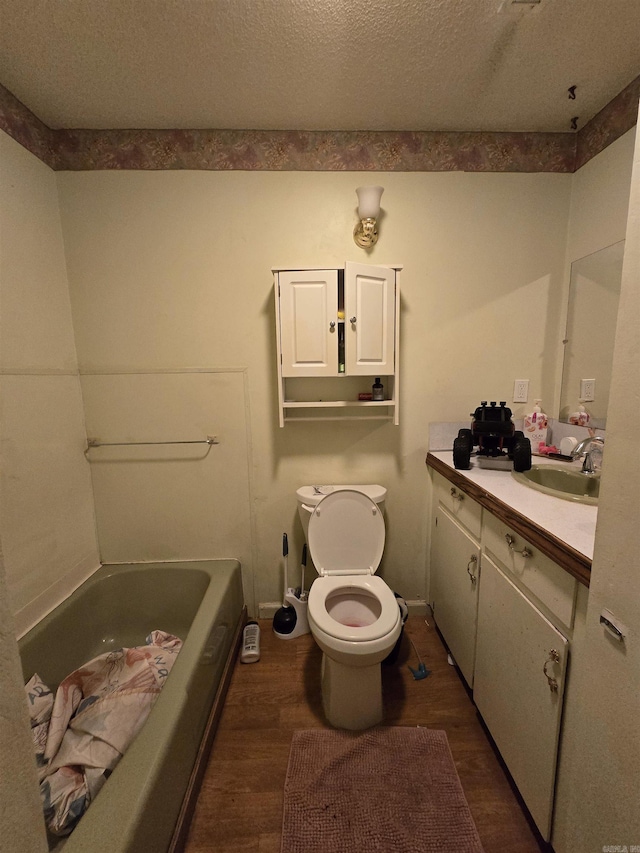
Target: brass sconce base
<point>365,233</point>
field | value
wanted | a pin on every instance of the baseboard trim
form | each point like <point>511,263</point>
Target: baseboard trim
<point>267,609</point>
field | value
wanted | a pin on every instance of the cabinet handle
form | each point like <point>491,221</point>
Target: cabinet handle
<point>456,495</point>
<point>352,320</point>
<point>510,540</point>
<point>554,657</point>
<point>332,325</point>
<point>472,563</point>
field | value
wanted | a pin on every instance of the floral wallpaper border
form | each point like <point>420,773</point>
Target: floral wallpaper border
<point>316,151</point>
<point>619,116</point>
<point>26,128</point>
<point>379,151</point>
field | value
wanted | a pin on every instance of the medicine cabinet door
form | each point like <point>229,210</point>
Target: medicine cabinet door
<point>308,322</point>
<point>369,320</point>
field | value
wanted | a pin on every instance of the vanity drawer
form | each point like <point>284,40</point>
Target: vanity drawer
<point>551,585</point>
<point>463,508</point>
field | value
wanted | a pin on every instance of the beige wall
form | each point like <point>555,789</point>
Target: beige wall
<point>47,521</point>
<point>597,219</point>
<point>597,801</point>
<point>171,270</point>
<point>173,308</point>
<point>177,501</point>
<point>591,330</point>
<point>47,527</point>
<point>600,199</point>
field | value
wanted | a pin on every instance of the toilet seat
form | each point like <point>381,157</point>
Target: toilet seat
<point>324,587</point>
<point>346,541</point>
<point>346,534</point>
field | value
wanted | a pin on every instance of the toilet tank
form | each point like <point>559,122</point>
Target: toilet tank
<point>310,496</point>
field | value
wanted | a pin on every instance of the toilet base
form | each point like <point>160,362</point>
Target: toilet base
<point>351,695</point>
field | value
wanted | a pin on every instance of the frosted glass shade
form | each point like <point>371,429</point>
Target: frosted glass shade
<point>369,202</point>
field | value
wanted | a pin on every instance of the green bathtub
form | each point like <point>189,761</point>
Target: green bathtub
<point>202,603</point>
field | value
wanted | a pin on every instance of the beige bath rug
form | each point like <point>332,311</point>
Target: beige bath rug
<point>386,790</point>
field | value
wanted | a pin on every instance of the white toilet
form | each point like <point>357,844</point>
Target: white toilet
<point>353,615</point>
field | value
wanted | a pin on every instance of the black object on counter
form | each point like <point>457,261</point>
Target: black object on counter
<point>495,435</point>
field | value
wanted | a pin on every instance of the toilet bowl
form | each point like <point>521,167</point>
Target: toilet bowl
<point>353,615</point>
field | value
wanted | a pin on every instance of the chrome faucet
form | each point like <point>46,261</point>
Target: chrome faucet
<point>584,447</point>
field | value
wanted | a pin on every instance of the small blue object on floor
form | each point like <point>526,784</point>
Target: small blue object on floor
<point>420,673</point>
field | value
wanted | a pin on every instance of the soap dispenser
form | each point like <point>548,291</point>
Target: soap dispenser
<point>535,427</point>
<point>581,417</point>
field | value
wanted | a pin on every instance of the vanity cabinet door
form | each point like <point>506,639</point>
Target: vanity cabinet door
<point>462,508</point>
<point>308,322</point>
<point>520,668</point>
<point>369,302</point>
<point>551,586</point>
<point>455,570</point>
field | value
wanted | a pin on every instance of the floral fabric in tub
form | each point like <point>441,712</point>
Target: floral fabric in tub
<point>98,710</point>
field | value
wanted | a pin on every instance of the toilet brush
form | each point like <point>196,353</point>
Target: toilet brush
<point>291,620</point>
<point>303,565</point>
<point>285,560</point>
<point>284,620</point>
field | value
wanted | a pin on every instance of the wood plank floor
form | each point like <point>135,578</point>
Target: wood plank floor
<point>239,807</point>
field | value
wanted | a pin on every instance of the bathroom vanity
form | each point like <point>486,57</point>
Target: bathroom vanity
<point>337,331</point>
<point>509,572</point>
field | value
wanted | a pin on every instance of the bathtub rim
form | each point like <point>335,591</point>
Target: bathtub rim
<point>36,611</point>
<point>204,567</point>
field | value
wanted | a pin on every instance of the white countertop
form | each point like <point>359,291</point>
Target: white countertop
<point>571,522</point>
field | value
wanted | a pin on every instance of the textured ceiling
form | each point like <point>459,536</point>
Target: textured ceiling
<point>318,64</point>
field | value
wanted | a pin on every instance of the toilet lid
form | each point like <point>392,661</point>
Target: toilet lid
<point>346,534</point>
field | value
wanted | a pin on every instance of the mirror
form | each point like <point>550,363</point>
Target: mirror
<point>594,293</point>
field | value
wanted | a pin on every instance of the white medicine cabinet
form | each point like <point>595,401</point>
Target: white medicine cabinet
<point>337,331</point>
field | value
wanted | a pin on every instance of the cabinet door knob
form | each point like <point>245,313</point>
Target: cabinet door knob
<point>471,568</point>
<point>554,657</point>
<point>456,495</point>
<point>352,320</point>
<point>332,325</point>
<point>510,540</point>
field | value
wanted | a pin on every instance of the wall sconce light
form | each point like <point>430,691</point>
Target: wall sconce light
<point>366,231</point>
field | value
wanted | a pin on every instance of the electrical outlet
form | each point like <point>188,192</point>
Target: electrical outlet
<point>520,390</point>
<point>588,390</point>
